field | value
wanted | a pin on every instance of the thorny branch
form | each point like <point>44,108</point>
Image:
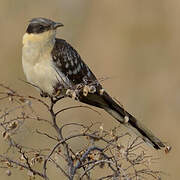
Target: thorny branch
<point>104,150</point>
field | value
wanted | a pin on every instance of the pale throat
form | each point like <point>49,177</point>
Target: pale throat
<point>37,46</point>
<point>43,41</point>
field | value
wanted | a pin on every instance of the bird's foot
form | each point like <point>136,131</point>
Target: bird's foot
<point>57,93</point>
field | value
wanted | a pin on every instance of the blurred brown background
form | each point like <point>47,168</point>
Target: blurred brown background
<point>134,42</point>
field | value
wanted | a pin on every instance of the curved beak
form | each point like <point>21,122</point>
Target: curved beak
<point>57,24</point>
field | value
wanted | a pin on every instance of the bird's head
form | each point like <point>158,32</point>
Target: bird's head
<point>41,29</point>
<point>40,25</point>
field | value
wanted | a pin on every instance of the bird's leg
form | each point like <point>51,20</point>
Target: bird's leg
<point>58,93</point>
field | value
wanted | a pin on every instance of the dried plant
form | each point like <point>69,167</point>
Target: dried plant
<point>105,150</point>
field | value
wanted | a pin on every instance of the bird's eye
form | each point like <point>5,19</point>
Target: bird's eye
<point>41,27</point>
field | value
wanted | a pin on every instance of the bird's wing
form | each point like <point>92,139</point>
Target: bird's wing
<point>68,61</point>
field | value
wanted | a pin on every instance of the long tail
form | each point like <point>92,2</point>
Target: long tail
<point>108,104</point>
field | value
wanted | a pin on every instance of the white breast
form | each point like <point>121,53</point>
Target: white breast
<point>41,73</point>
<point>38,65</point>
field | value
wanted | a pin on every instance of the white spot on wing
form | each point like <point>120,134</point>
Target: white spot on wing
<point>70,72</point>
<point>72,63</point>
<point>67,65</point>
<point>89,73</point>
<point>78,67</point>
<point>75,71</point>
<point>76,61</point>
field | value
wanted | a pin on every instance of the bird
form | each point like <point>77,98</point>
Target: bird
<point>56,69</point>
